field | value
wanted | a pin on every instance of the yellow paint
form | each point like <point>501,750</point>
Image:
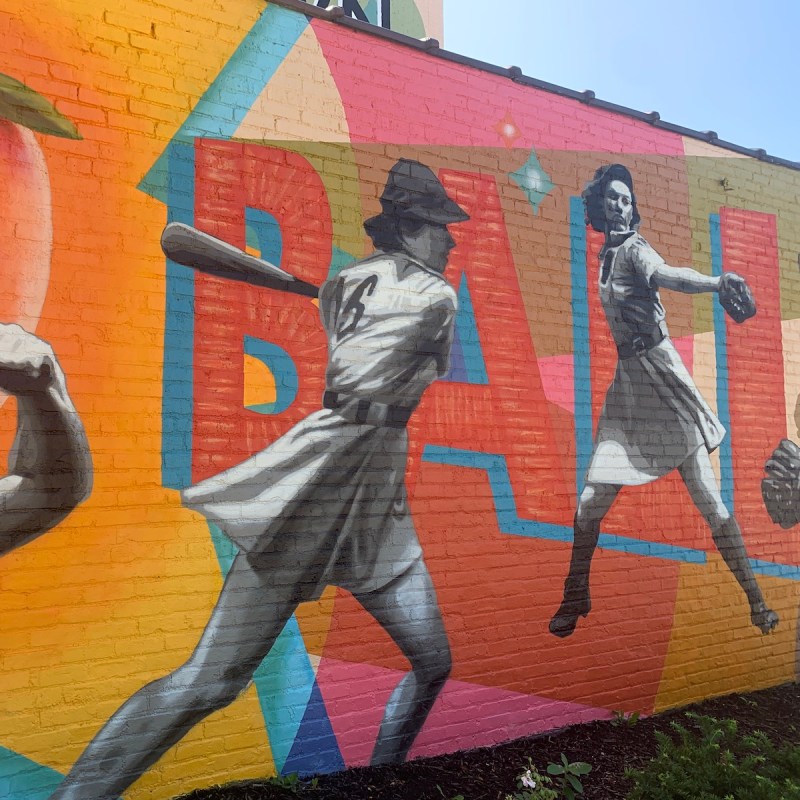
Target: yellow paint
<point>259,382</point>
<point>301,101</point>
<point>314,620</point>
<point>230,745</point>
<point>714,649</point>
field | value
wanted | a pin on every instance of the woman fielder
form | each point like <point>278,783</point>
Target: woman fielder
<point>654,419</point>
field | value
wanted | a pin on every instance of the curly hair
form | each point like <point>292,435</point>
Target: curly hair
<point>595,190</point>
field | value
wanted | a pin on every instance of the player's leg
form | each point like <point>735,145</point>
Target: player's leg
<point>700,480</point>
<point>249,615</point>
<point>407,609</point>
<point>594,503</point>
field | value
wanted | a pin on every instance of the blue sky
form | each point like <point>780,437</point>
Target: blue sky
<point>732,67</point>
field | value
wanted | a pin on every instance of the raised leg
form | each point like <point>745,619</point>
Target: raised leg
<point>407,609</point>
<point>701,482</point>
<point>248,617</point>
<point>594,503</point>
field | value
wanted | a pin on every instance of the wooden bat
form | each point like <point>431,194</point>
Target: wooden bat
<point>193,248</point>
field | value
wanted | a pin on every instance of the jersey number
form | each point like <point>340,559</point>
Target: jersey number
<point>353,305</point>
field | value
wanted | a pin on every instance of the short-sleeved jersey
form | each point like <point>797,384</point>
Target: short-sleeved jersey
<point>628,292</point>
<point>389,322</point>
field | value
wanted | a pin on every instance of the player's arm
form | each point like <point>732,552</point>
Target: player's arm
<point>50,466</point>
<point>684,279</point>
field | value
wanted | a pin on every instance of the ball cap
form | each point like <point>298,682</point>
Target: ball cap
<point>413,191</point>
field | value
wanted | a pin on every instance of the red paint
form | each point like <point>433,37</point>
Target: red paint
<point>755,378</point>
<point>229,177</point>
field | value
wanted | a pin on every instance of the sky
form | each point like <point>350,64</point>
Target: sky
<point>732,67</point>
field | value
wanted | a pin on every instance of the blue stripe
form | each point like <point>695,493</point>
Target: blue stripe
<point>223,107</point>
<point>508,521</point>
<point>582,377</point>
<point>23,779</point>
<point>178,375</point>
<point>721,352</point>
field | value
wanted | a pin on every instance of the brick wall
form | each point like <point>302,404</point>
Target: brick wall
<point>275,130</point>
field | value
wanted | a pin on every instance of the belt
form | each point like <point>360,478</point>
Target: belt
<point>641,344</point>
<point>367,412</point>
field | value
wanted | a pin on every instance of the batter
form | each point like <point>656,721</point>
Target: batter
<point>324,504</point>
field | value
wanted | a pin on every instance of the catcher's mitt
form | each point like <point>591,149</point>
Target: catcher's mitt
<point>781,488</point>
<point>736,297</point>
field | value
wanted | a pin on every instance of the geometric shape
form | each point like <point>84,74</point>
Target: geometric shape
<point>339,259</point>
<point>284,682</point>
<point>225,549</point>
<point>740,657</point>
<point>263,234</point>
<point>467,364</point>
<point>721,353</point>
<point>509,521</point>
<point>178,373</point>
<point>533,180</point>
<point>582,372</point>
<point>226,102</point>
<point>315,750</point>
<point>507,129</point>
<point>259,383</point>
<point>557,380</point>
<point>23,779</point>
<point>355,695</point>
<point>283,370</point>
<point>278,113</point>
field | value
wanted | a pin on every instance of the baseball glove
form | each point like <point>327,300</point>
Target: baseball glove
<point>781,488</point>
<point>736,297</point>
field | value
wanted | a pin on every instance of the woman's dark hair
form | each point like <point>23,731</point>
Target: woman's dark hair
<point>385,231</point>
<point>595,190</point>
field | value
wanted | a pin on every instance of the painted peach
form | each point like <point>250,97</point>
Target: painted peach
<point>26,226</point>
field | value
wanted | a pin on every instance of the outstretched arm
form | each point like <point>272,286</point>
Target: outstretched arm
<point>50,466</point>
<point>684,279</point>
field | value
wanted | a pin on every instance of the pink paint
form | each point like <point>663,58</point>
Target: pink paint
<point>685,347</point>
<point>395,94</point>
<point>558,380</point>
<point>355,695</point>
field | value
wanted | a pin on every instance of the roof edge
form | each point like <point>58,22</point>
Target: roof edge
<point>335,14</point>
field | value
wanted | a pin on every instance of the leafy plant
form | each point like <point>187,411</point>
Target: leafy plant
<point>292,782</point>
<point>712,761</point>
<point>568,775</point>
<point>620,718</point>
<point>533,786</point>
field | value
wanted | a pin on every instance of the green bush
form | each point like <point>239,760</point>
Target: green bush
<point>714,762</point>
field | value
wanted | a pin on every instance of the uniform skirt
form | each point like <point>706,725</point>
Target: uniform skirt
<point>652,420</point>
<point>324,504</point>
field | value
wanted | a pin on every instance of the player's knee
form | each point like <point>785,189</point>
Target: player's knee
<point>434,665</point>
<point>208,690</point>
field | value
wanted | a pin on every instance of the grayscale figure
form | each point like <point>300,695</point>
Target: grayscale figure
<point>324,504</point>
<point>654,419</point>
<point>49,466</point>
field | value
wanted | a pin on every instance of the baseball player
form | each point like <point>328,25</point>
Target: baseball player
<point>50,467</point>
<point>654,419</point>
<point>324,504</point>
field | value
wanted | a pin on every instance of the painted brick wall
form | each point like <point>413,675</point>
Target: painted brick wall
<point>276,131</point>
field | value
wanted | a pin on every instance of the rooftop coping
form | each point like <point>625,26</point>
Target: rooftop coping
<point>337,15</point>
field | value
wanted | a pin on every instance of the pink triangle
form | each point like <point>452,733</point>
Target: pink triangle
<point>465,715</point>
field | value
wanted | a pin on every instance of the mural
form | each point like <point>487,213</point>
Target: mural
<point>654,420</point>
<point>356,382</point>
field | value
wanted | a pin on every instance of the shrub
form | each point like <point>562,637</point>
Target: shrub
<point>714,762</point>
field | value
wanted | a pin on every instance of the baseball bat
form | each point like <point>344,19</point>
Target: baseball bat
<point>193,248</point>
